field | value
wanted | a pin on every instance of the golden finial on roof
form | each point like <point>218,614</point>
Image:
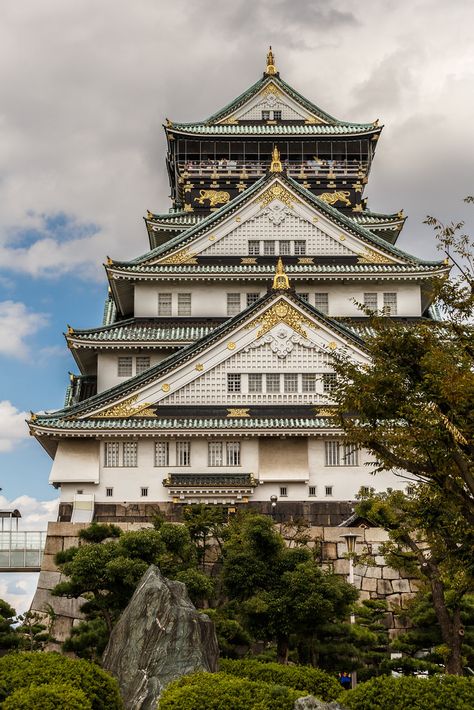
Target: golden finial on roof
<point>109,261</point>
<point>271,68</point>
<point>70,330</point>
<point>168,123</point>
<point>281,281</point>
<point>149,215</point>
<point>33,417</point>
<point>276,166</point>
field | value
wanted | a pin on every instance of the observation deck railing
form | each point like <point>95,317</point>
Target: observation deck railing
<point>330,169</point>
<point>21,551</point>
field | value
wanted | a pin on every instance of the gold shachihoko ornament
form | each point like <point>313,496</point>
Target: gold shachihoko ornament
<point>271,68</point>
<point>276,166</point>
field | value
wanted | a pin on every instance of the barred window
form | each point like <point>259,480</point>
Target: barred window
<point>214,451</point>
<point>254,247</point>
<point>255,382</point>
<point>272,381</point>
<point>300,247</point>
<point>144,491</point>
<point>290,381</point>
<point>283,492</point>
<point>183,453</point>
<point>265,115</point>
<point>109,492</point>
<point>309,382</point>
<point>233,453</point>
<point>277,115</point>
<point>328,490</point>
<point>339,454</point>
<point>410,490</point>
<point>332,453</point>
<point>164,304</point>
<point>312,490</point>
<point>124,366</point>
<point>252,298</point>
<point>234,382</point>
<point>233,304</point>
<point>143,363</point>
<point>184,304</point>
<point>162,453</point>
<point>285,247</point>
<point>304,297</point>
<point>329,382</point>
<point>364,490</point>
<point>321,301</point>
<point>269,248</point>
<point>371,301</point>
<point>390,303</point>
<point>111,453</point>
<point>350,455</point>
<point>130,450</point>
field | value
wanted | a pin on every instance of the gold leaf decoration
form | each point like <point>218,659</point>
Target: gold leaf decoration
<point>199,367</point>
<point>281,312</point>
<point>277,192</point>
<point>325,412</point>
<point>165,387</point>
<point>238,412</point>
<point>369,256</point>
<point>184,256</point>
<point>270,88</point>
<point>127,408</point>
<point>230,345</point>
<point>330,198</point>
<point>248,260</point>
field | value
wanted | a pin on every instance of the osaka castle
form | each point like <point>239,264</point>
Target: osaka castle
<point>210,377</point>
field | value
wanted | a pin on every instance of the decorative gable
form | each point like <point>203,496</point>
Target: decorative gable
<point>271,98</point>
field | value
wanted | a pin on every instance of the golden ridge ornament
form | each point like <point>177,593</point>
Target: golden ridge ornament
<point>127,408</point>
<point>281,312</point>
<point>184,256</point>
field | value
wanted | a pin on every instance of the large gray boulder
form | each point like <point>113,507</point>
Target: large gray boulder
<point>309,702</point>
<point>159,637</point>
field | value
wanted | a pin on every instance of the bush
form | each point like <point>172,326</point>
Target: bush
<point>47,697</point>
<point>313,680</point>
<point>18,670</point>
<point>442,692</point>
<point>214,691</point>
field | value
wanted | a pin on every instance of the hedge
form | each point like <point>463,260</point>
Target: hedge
<point>442,692</point>
<point>215,691</point>
<point>47,697</point>
<point>313,680</point>
<point>20,670</point>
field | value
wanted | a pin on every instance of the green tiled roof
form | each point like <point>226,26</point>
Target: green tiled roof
<point>144,423</point>
<point>308,129</point>
<point>131,331</point>
<point>177,218</point>
<point>375,217</point>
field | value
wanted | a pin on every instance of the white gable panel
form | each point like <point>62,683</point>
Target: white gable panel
<point>272,98</point>
<point>288,113</point>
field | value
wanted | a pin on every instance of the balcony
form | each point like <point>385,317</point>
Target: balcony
<point>327,169</point>
<point>21,551</point>
<point>222,488</point>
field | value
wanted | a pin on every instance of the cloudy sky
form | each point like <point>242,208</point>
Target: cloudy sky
<point>86,85</point>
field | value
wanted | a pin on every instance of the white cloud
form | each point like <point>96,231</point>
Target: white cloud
<point>18,589</point>
<point>17,323</point>
<point>13,428</point>
<point>35,514</point>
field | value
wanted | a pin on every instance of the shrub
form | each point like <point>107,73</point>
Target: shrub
<point>214,691</point>
<point>47,697</point>
<point>313,680</point>
<point>18,670</point>
<point>442,692</point>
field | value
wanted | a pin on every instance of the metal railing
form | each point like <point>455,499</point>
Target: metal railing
<point>21,551</point>
<point>331,169</point>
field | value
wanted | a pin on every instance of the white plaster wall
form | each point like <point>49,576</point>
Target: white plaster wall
<point>209,300</point>
<point>76,461</point>
<point>107,365</point>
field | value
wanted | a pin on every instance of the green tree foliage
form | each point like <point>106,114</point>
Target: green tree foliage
<point>310,680</point>
<point>47,697</point>
<point>215,691</point>
<point>206,525</point>
<point>233,639</point>
<point>437,693</point>
<point>19,670</point>
<point>9,638</point>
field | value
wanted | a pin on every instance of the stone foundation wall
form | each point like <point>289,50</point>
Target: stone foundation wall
<point>374,581</point>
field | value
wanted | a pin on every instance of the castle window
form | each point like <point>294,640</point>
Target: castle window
<point>312,491</point>
<point>321,301</point>
<point>124,366</point>
<point>183,453</point>
<point>130,451</point>
<point>328,490</point>
<point>272,380</point>
<point>164,304</point>
<point>254,247</point>
<point>277,115</point>
<point>290,381</point>
<point>300,247</point>
<point>214,451</point>
<point>184,304</point>
<point>371,301</point>
<point>144,492</point>
<point>390,304</point>
<point>265,115</point>
<point>269,248</point>
<point>161,453</point>
<point>309,382</point>
<point>364,490</point>
<point>410,490</point>
<point>111,453</point>
<point>283,492</point>
<point>233,304</point>
<point>234,383</point>
<point>251,298</point>
<point>339,454</point>
<point>329,381</point>
<point>109,492</point>
<point>285,247</point>
<point>143,363</point>
<point>233,453</point>
<point>255,382</point>
<point>304,297</point>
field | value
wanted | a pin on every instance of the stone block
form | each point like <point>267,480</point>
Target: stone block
<point>390,573</point>
<point>394,633</point>
<point>388,620</point>
<point>415,585</point>
<point>374,572</point>
<point>47,564</point>
<point>54,544</point>
<point>398,623</point>
<point>341,567</point>
<point>384,587</point>
<point>363,595</point>
<point>379,560</point>
<point>71,542</point>
<point>61,628</point>
<point>360,570</point>
<point>334,534</point>
<point>65,529</point>
<point>316,532</point>
<point>357,581</point>
<point>61,605</point>
<point>393,602</point>
<point>48,580</point>
<point>376,535</point>
<point>401,585</point>
<point>370,585</point>
<point>329,550</point>
<point>407,598</point>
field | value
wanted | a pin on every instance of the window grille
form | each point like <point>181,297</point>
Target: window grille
<point>272,381</point>
<point>265,115</point>
<point>300,247</point>
<point>410,490</point>
<point>254,247</point>
<point>125,365</point>
<point>290,381</point>
<point>390,303</point>
<point>312,490</point>
<point>111,452</point>
<point>309,382</point>
<point>255,382</point>
<point>233,453</point>
<point>269,248</point>
<point>277,115</point>
<point>371,301</point>
<point>304,296</point>
<point>161,453</point>
<point>321,301</point>
<point>184,304</point>
<point>283,492</point>
<point>234,382</point>
<point>233,304</point>
<point>332,453</point>
<point>350,455</point>
<point>328,490</point>
<point>143,363</point>
<point>144,491</point>
<point>183,453</point>
<point>329,382</point>
<point>214,450</point>
<point>338,454</point>
<point>130,451</point>
<point>285,248</point>
<point>251,298</point>
<point>164,304</point>
<point>109,492</point>
<point>364,490</point>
